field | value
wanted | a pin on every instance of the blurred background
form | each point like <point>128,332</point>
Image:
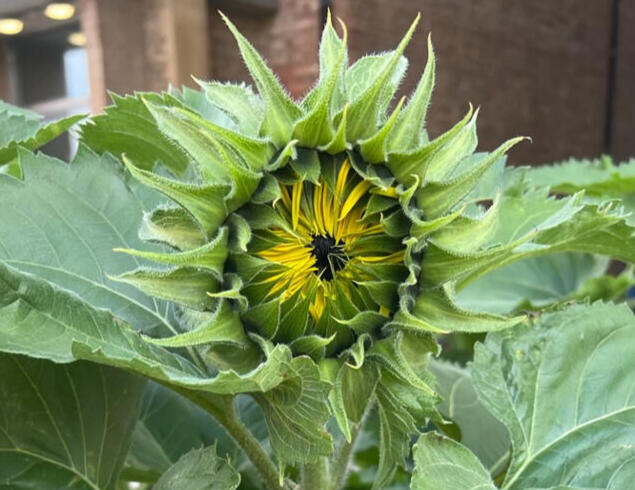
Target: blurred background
<point>561,71</point>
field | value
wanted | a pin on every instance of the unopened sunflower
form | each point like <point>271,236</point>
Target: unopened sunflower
<point>303,226</point>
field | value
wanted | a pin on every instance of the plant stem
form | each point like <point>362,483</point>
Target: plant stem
<point>253,450</point>
<point>342,460</point>
<point>315,476</point>
<point>221,407</point>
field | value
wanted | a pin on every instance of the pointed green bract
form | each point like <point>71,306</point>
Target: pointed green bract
<point>280,111</point>
<point>172,226</point>
<point>373,149</point>
<point>205,203</point>
<point>436,198</point>
<point>210,256</point>
<point>316,127</point>
<point>408,130</point>
<point>185,285</point>
<point>437,311</point>
<point>466,234</point>
<point>222,326</point>
<point>366,109</point>
<point>406,164</point>
<point>239,102</point>
<point>338,144</point>
<point>195,134</point>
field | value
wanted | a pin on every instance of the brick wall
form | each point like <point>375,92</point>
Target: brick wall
<point>536,68</point>
<point>287,39</point>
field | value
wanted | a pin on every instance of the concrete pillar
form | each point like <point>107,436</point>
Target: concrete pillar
<point>144,44</point>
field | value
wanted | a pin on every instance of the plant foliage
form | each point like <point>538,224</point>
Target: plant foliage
<point>284,274</point>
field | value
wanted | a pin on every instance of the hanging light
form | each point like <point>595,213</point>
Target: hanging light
<point>77,39</point>
<point>11,27</point>
<point>59,11</point>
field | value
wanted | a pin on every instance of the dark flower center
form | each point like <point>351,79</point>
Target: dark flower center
<point>329,256</point>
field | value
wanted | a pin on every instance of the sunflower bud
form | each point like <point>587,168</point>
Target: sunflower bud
<point>305,225</point>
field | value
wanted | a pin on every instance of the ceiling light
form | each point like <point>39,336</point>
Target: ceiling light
<point>59,11</point>
<point>77,39</point>
<point>11,27</point>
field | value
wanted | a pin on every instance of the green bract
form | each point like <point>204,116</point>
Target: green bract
<point>306,253</point>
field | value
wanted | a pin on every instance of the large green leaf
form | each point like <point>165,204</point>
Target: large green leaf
<point>405,400</point>
<point>64,426</point>
<point>169,426</point>
<point>63,221</point>
<point>532,224</point>
<point>478,429</point>
<point>14,134</point>
<point>441,463</point>
<point>200,469</point>
<point>128,127</point>
<point>564,389</point>
<point>17,126</point>
<point>296,412</point>
<point>535,282</point>
<point>41,320</point>
<point>599,177</point>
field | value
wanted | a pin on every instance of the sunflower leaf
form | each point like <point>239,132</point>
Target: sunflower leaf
<point>200,469</point>
<point>526,375</point>
<point>64,425</point>
<point>68,239</point>
<point>18,134</point>
<point>296,411</point>
<point>600,177</point>
<point>478,429</point>
<point>536,282</point>
<point>441,462</point>
<point>128,127</point>
<point>41,320</point>
<point>156,446</point>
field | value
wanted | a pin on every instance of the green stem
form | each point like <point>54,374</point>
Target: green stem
<point>221,407</point>
<point>342,460</point>
<point>315,476</point>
